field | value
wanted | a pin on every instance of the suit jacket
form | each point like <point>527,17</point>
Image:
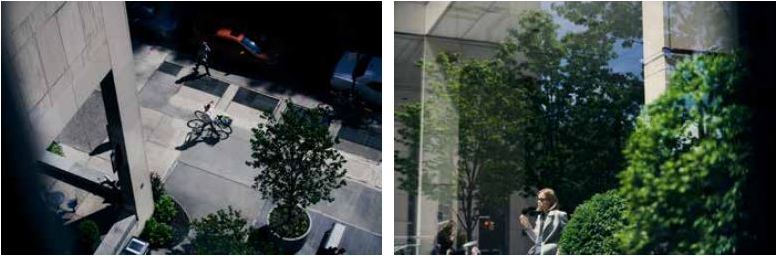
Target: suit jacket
<point>546,232</point>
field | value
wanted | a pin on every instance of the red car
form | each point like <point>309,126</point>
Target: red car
<point>231,45</point>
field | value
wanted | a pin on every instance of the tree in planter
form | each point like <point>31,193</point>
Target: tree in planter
<point>298,166</point>
<point>688,163</point>
<point>594,224</point>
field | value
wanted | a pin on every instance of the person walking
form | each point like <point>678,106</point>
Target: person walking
<point>202,55</point>
<point>549,224</point>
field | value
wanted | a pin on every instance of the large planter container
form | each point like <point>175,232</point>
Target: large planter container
<point>290,245</point>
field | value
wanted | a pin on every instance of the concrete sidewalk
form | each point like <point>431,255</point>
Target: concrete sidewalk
<point>162,95</point>
<point>206,177</point>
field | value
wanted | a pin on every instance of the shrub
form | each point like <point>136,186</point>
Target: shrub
<point>157,187</point>
<point>89,233</point>
<point>55,148</point>
<point>592,227</point>
<point>157,233</point>
<point>687,163</point>
<point>223,232</point>
<point>165,210</point>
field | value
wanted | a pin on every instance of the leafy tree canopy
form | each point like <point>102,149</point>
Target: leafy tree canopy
<point>687,165</point>
<point>296,159</point>
<point>223,232</point>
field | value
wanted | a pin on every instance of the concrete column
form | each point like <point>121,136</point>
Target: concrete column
<point>682,27</point>
<point>135,179</point>
<point>654,29</point>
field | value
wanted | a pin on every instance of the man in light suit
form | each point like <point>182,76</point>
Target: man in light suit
<point>549,224</point>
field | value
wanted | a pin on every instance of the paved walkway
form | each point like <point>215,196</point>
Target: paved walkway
<point>205,178</point>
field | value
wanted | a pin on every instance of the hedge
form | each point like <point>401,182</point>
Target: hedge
<point>687,166</point>
<point>592,227</point>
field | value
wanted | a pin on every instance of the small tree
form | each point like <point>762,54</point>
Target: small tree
<point>224,232</point>
<point>297,164</point>
<point>592,227</point>
<point>688,163</point>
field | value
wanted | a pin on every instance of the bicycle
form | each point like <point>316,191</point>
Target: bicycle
<point>220,126</point>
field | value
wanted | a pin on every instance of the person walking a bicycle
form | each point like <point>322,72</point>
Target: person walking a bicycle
<point>209,121</point>
<point>219,120</point>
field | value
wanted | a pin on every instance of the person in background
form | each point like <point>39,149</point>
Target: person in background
<point>202,55</point>
<point>549,224</point>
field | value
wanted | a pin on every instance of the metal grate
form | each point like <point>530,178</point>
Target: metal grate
<point>208,85</point>
<point>170,68</point>
<point>364,137</point>
<point>255,100</point>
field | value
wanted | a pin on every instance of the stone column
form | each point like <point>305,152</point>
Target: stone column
<point>653,25</point>
<point>134,178</point>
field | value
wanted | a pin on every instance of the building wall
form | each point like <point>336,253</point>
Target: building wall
<point>60,52</point>
<point>422,31</point>
<point>695,26</point>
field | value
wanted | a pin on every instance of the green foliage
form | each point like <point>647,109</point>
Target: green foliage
<point>89,234</point>
<point>408,135</point>
<point>164,209</point>
<point>55,148</point>
<point>296,159</point>
<point>157,233</point>
<point>224,232</point>
<point>592,227</point>
<point>289,222</point>
<point>687,163</point>
<point>491,115</point>
<point>158,230</point>
<point>555,101</point>
<point>617,20</point>
<point>157,187</point>
<point>581,110</point>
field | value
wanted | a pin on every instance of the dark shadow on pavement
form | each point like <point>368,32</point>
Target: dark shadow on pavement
<point>210,139</point>
<point>191,76</point>
<point>102,148</point>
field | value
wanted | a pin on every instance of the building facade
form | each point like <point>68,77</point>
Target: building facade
<point>422,30</point>
<point>60,54</point>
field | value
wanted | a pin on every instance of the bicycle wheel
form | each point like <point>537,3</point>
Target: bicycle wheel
<point>225,128</point>
<point>196,123</point>
<point>222,135</point>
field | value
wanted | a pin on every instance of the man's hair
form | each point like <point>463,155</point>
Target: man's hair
<point>551,196</point>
